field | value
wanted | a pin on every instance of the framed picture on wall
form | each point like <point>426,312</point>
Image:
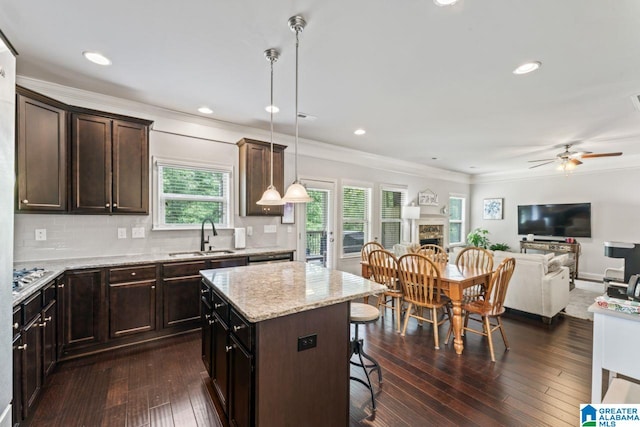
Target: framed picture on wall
<point>288,214</point>
<point>492,209</point>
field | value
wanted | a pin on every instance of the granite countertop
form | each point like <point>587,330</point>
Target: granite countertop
<point>267,291</point>
<point>54,267</point>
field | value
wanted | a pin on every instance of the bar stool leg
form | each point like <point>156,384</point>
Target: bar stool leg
<point>357,345</point>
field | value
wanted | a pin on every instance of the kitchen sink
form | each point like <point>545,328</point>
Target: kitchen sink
<point>191,254</point>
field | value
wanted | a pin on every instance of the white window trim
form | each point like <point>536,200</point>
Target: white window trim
<point>367,237</point>
<point>157,210</point>
<point>397,188</point>
<point>463,221</point>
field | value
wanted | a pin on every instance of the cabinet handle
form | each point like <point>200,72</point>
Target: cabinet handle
<point>16,326</point>
<point>43,324</point>
<point>207,316</point>
<point>22,347</point>
<point>229,348</point>
<point>212,321</point>
<point>219,305</point>
<point>61,285</point>
<point>107,205</point>
<point>153,286</point>
<point>204,291</point>
<point>236,328</point>
<point>47,319</point>
<point>25,201</point>
<point>133,274</point>
<point>115,205</point>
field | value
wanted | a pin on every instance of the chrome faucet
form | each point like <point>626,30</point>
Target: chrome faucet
<point>202,241</point>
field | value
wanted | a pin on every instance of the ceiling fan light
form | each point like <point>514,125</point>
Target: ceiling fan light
<point>296,193</point>
<point>271,197</point>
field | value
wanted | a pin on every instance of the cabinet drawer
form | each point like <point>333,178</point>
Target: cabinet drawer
<point>31,307</point>
<point>49,294</point>
<point>242,329</point>
<point>229,262</point>
<point>220,306</point>
<point>182,269</point>
<point>132,274</point>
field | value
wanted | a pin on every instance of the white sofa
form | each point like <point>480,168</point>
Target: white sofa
<point>539,285</point>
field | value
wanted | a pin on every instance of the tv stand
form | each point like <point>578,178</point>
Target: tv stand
<point>573,249</point>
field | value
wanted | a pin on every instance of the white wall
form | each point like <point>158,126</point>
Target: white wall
<point>7,184</point>
<point>614,209</point>
<point>91,235</point>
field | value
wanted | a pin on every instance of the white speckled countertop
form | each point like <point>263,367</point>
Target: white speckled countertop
<point>56,267</point>
<point>266,291</point>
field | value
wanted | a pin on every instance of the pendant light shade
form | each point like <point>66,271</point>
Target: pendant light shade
<point>271,197</point>
<point>296,193</point>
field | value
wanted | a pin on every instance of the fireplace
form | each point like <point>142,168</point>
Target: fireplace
<point>430,231</point>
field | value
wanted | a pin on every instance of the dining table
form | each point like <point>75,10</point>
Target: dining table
<point>453,281</point>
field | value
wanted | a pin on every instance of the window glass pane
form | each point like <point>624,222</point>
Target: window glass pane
<point>355,219</point>
<point>316,210</point>
<point>391,204</point>
<point>455,208</point>
<point>353,237</point>
<point>192,212</point>
<point>390,234</point>
<point>455,232</point>
<point>354,204</point>
<point>192,182</point>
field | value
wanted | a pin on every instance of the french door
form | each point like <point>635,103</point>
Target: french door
<point>316,239</point>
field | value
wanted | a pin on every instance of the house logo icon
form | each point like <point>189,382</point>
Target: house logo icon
<point>588,416</point>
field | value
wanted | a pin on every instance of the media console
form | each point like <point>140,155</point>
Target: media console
<point>573,249</point>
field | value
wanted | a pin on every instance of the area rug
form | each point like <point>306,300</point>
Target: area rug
<point>581,297</point>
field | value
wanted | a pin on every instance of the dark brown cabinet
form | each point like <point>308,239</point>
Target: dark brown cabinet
<point>18,361</point>
<point>83,311</point>
<point>32,367</point>
<point>41,153</point>
<point>132,300</point>
<point>49,322</point>
<point>255,176</point>
<point>110,164</point>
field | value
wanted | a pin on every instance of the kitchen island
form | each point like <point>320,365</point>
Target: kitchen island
<point>276,342</point>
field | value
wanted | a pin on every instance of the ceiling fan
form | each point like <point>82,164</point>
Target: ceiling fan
<point>570,159</point>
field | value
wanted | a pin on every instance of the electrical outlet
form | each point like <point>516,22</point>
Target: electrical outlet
<point>249,231</point>
<point>307,342</point>
<point>122,233</point>
<point>270,229</point>
<point>137,233</point>
<point>41,234</point>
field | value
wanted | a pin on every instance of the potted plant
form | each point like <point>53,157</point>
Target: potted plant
<point>478,238</point>
<point>499,247</point>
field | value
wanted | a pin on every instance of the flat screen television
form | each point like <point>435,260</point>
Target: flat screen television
<point>558,220</point>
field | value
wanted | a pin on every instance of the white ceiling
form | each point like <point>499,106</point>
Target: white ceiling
<point>424,81</point>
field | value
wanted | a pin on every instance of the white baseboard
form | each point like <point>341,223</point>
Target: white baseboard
<point>5,418</point>
<point>591,276</point>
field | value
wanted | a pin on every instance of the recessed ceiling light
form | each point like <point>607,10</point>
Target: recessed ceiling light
<point>205,110</point>
<point>527,67</point>
<point>359,131</point>
<point>96,58</point>
<point>273,108</point>
<point>445,2</point>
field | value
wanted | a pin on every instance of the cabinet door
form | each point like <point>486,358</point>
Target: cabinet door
<point>130,167</point>
<point>132,308</point>
<point>181,301</point>
<point>255,176</point>
<point>60,307</point>
<point>220,359</point>
<point>241,393</point>
<point>49,339</point>
<point>82,311</point>
<point>91,161</point>
<point>32,368</point>
<point>207,333</point>
<point>41,156</point>
<point>18,362</point>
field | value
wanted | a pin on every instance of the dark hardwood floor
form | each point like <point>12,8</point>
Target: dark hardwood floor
<point>541,381</point>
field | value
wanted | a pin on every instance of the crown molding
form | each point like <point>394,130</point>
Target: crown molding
<point>179,123</point>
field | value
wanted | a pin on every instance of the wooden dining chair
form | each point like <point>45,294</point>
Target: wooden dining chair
<point>435,253</point>
<point>421,286</point>
<point>367,248</point>
<point>491,305</point>
<point>384,267</point>
<point>477,258</point>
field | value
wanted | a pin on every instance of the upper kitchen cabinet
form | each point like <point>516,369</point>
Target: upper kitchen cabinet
<point>41,153</point>
<point>110,163</point>
<point>255,175</point>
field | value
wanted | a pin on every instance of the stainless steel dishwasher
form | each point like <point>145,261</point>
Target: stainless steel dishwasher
<point>272,258</point>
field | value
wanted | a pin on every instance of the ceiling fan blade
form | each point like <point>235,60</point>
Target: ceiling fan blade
<point>575,161</point>
<point>541,164</point>
<point>594,155</point>
<point>542,160</point>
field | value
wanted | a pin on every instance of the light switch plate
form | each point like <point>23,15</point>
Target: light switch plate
<point>41,234</point>
<point>137,233</point>
<point>270,229</point>
<point>122,233</point>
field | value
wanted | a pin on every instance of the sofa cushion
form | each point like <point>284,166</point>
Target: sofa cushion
<point>542,259</point>
<point>558,261</point>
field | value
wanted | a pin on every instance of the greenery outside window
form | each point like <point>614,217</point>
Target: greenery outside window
<point>356,208</point>
<point>189,193</point>
<point>456,220</point>
<point>391,202</point>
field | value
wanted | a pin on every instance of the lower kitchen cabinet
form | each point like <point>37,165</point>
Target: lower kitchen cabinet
<point>49,336</point>
<point>181,292</point>
<point>83,311</point>
<point>241,369</point>
<point>132,300</point>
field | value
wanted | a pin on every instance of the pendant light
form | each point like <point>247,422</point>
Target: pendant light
<point>296,193</point>
<point>271,197</point>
